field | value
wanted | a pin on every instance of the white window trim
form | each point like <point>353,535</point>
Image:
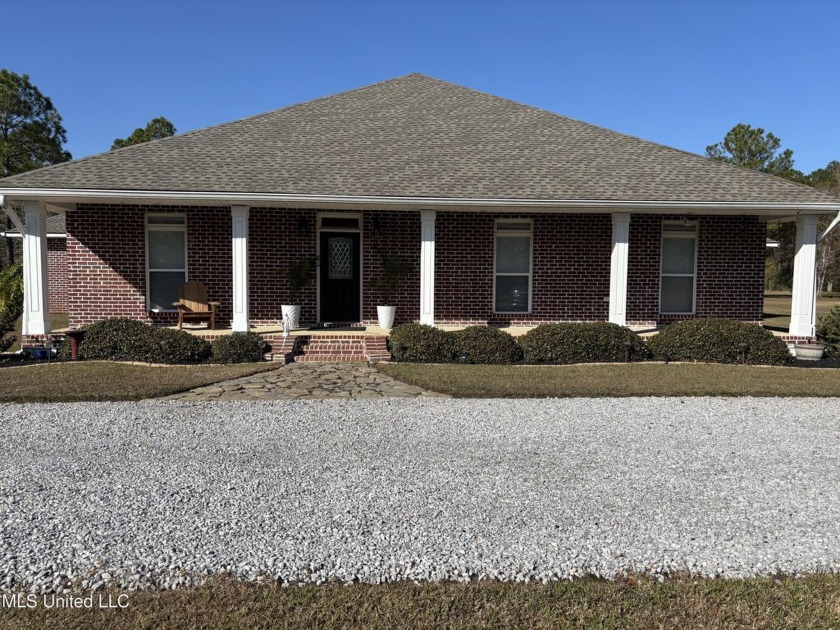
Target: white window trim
<point>164,227</point>
<point>680,234</point>
<point>528,232</point>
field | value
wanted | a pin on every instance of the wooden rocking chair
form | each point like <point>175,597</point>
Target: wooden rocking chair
<point>193,305</point>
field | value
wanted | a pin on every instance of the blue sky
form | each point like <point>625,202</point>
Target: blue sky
<point>681,73</point>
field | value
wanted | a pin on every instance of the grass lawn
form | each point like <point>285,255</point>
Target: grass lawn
<point>102,380</point>
<point>777,309</point>
<point>620,379</point>
<point>810,602</point>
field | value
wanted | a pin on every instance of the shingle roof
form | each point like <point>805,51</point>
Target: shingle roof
<point>416,136</point>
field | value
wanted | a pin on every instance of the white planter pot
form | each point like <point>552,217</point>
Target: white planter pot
<point>291,314</point>
<point>386,316</point>
<point>809,352</point>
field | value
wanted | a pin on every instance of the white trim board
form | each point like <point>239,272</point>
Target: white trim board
<point>89,195</point>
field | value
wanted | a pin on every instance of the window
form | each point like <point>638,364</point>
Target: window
<point>679,269</point>
<point>166,259</point>
<point>512,287</point>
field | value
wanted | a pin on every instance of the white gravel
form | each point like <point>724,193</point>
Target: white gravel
<point>159,494</point>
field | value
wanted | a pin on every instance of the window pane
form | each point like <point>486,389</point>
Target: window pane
<point>513,227</point>
<point>166,250</point>
<point>512,294</point>
<point>678,227</point>
<point>166,219</point>
<point>513,254</point>
<point>340,264</point>
<point>339,222</point>
<point>678,255</point>
<point>677,295</point>
<point>163,288</point>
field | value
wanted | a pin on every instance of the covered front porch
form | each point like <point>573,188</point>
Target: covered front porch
<point>591,265</point>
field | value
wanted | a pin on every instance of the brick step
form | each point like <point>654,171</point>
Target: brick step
<point>329,358</point>
<point>323,348</point>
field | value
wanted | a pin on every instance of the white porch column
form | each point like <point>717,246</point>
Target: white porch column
<point>618,267</point>
<point>239,221</point>
<point>803,314</point>
<point>36,299</point>
<point>427,267</point>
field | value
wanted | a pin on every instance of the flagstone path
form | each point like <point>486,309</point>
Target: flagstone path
<point>308,381</point>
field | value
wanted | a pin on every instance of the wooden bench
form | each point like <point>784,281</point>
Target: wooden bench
<point>193,305</point>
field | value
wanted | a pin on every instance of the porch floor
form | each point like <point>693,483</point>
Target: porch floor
<point>376,331</point>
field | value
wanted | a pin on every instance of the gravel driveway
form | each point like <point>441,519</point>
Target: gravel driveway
<point>158,493</point>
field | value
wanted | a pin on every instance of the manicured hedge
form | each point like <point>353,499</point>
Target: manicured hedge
<point>483,344</point>
<point>717,341</point>
<point>131,340</point>
<point>421,344</point>
<point>597,342</point>
<point>239,347</point>
<point>828,331</point>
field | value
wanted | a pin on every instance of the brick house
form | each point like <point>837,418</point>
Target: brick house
<point>509,215</point>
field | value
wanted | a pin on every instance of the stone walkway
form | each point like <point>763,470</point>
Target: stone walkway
<point>308,380</point>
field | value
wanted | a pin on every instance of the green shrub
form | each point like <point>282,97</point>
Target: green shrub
<point>240,347</point>
<point>828,331</point>
<point>717,341</point>
<point>598,342</point>
<point>63,350</point>
<point>11,303</point>
<point>483,344</point>
<point>130,340</point>
<point>177,346</point>
<point>421,344</point>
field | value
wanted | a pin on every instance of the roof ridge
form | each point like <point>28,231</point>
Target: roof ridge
<point>192,132</point>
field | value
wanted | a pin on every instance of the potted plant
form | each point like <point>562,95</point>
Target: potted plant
<point>299,274</point>
<point>394,269</point>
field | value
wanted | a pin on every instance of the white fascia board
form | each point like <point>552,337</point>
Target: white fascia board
<point>406,203</point>
<point>18,235</point>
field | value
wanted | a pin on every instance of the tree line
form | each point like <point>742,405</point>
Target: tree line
<point>754,148</point>
<point>32,136</point>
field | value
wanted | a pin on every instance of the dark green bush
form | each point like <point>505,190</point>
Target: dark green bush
<point>483,344</point>
<point>63,350</point>
<point>828,331</point>
<point>11,303</point>
<point>598,342</point>
<point>177,346</point>
<point>240,347</point>
<point>130,340</point>
<point>717,340</point>
<point>421,344</point>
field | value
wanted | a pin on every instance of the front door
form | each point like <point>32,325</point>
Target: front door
<point>340,277</point>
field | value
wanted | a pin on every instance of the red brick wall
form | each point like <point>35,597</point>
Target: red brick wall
<point>106,274</point>
<point>571,268</point>
<point>106,260</point>
<point>105,263</point>
<point>391,234</point>
<point>57,274</point>
<point>730,269</point>
<point>275,240</point>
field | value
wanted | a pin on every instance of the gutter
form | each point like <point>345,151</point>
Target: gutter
<point>236,198</point>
